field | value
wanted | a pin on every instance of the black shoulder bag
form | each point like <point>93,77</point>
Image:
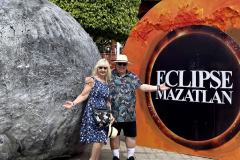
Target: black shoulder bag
<point>101,116</point>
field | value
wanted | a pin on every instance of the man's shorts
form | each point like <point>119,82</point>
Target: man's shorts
<point>129,128</point>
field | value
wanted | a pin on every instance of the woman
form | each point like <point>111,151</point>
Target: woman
<point>97,92</point>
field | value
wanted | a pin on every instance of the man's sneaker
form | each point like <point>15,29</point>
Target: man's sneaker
<point>131,158</point>
<point>115,158</point>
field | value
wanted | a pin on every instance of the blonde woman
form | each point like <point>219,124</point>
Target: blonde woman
<point>97,92</point>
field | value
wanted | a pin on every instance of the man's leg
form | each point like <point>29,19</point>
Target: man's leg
<point>115,145</point>
<point>115,142</point>
<point>130,132</point>
<point>130,144</point>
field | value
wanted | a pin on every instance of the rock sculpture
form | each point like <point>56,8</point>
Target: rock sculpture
<point>45,56</point>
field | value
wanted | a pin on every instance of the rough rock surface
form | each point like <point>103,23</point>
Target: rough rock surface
<point>45,56</point>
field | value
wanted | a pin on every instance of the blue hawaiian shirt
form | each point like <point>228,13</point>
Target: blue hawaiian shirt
<point>123,96</point>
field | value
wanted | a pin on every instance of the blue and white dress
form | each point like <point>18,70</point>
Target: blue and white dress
<point>98,97</point>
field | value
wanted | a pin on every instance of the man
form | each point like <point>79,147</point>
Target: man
<point>123,99</point>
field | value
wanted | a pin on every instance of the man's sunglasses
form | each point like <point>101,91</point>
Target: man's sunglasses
<point>124,64</point>
<point>105,68</point>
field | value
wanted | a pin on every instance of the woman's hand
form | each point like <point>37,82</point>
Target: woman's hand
<point>68,104</point>
<point>112,118</point>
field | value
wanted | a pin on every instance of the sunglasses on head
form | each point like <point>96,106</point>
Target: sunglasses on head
<point>105,68</point>
<point>124,64</point>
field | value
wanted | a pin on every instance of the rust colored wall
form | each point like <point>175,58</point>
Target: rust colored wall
<point>166,16</point>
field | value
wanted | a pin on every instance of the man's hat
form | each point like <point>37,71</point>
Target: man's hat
<point>112,132</point>
<point>123,59</point>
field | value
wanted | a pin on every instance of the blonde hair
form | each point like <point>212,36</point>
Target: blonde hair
<point>100,63</point>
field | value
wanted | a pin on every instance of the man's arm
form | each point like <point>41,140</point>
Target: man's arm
<point>88,80</point>
<point>151,88</point>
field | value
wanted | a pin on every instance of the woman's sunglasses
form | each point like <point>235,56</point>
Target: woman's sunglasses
<point>105,68</point>
<point>124,64</point>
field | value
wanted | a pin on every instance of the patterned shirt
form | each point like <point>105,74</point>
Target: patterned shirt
<point>123,96</point>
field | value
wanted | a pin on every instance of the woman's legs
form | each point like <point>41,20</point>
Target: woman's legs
<point>96,148</point>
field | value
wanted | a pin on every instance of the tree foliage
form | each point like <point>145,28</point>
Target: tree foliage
<point>107,19</point>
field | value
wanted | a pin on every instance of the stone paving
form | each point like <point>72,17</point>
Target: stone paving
<point>141,153</point>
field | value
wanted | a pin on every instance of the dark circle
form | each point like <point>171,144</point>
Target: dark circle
<point>201,48</point>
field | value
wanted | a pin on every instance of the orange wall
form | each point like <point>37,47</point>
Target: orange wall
<point>164,17</point>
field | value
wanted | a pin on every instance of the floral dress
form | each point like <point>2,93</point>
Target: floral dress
<point>98,97</point>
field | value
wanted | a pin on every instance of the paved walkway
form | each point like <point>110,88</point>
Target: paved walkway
<point>141,153</point>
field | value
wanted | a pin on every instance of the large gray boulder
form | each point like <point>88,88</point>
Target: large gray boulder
<point>45,56</point>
